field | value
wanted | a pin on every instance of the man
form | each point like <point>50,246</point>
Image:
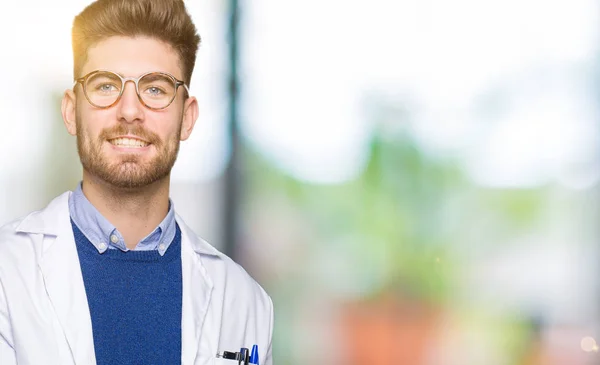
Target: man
<point>109,274</point>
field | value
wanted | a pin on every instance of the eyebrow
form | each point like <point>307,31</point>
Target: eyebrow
<point>153,76</point>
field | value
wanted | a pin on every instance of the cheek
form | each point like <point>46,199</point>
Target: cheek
<point>167,127</point>
<point>89,123</point>
<point>170,135</point>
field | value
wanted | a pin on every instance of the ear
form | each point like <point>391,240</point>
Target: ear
<point>190,115</point>
<point>69,111</point>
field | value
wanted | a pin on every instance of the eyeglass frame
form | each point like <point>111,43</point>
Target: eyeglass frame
<point>82,80</point>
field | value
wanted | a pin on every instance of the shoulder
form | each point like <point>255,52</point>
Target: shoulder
<point>16,247</point>
<point>21,240</point>
<point>233,277</point>
<point>228,277</point>
<point>10,233</point>
<point>10,228</point>
<point>240,280</point>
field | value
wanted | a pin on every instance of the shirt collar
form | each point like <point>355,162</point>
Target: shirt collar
<point>103,235</point>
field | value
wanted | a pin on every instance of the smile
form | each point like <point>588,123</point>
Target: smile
<point>128,142</point>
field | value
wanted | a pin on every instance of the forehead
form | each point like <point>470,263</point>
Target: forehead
<point>132,57</point>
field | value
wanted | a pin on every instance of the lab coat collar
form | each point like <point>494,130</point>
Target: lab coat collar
<point>59,263</point>
<point>52,220</point>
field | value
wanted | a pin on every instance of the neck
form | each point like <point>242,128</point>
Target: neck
<point>134,212</point>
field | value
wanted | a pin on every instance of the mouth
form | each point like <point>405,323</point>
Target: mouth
<point>128,142</point>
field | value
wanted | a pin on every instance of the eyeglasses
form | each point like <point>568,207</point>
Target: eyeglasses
<point>155,90</point>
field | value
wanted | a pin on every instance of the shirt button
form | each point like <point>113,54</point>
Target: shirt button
<point>102,245</point>
<point>114,239</point>
<point>161,246</point>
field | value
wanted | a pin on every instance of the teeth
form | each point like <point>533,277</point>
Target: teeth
<point>128,142</point>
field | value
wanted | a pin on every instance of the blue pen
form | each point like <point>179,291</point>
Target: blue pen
<point>254,356</point>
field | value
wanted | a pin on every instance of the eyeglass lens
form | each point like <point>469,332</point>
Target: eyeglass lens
<point>156,90</point>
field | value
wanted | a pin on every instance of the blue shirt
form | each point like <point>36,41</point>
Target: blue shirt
<point>103,235</point>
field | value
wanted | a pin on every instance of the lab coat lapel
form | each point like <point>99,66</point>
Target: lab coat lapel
<point>64,285</point>
<point>197,290</point>
<point>63,280</point>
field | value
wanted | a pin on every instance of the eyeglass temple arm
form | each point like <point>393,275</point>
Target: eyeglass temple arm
<point>78,81</point>
<point>179,83</point>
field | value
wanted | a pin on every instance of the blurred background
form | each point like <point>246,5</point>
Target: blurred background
<point>412,181</point>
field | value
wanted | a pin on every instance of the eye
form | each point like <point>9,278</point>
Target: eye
<point>155,90</point>
<point>106,87</point>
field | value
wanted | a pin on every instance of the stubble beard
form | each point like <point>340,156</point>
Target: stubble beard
<point>129,171</point>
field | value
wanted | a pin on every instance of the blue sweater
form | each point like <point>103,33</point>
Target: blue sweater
<point>135,300</point>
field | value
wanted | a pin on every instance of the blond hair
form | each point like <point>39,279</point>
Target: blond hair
<point>164,20</point>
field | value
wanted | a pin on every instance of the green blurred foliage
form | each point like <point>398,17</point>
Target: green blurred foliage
<point>402,220</point>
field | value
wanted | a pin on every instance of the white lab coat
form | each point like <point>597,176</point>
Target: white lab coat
<point>44,314</point>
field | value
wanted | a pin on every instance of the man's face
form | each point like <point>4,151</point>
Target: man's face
<point>129,145</point>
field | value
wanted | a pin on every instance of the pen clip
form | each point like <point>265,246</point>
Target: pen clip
<point>242,357</point>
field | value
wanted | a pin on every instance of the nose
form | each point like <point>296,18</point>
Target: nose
<point>129,108</point>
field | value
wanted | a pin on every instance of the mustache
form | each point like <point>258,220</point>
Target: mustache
<point>134,130</point>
